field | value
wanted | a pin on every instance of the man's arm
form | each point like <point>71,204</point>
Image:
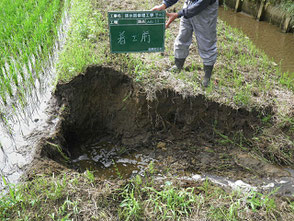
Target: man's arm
<point>169,3</point>
<point>165,4</point>
<point>195,8</point>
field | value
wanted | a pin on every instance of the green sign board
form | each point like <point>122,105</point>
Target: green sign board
<point>136,31</point>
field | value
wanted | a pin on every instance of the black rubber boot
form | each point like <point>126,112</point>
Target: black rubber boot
<point>207,76</point>
<point>179,63</point>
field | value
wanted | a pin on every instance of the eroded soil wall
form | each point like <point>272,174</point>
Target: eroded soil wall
<point>103,102</point>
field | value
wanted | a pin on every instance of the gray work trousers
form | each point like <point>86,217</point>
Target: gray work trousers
<point>204,27</point>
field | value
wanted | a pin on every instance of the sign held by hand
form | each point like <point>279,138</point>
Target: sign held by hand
<point>136,31</point>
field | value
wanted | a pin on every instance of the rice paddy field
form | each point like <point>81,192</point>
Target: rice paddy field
<point>31,34</point>
<point>28,29</point>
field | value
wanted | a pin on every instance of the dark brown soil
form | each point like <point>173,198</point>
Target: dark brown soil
<point>105,102</point>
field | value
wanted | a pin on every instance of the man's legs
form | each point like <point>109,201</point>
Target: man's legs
<point>204,26</point>
<point>182,44</point>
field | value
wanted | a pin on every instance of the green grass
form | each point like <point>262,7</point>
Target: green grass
<point>83,40</point>
<point>27,33</point>
<point>27,201</point>
<point>166,203</point>
<point>73,196</point>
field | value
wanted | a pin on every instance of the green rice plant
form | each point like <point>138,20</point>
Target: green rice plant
<point>26,29</point>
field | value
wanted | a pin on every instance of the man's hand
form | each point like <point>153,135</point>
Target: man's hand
<point>159,7</point>
<point>171,18</point>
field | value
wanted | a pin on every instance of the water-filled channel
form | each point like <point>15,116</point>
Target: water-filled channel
<point>267,37</point>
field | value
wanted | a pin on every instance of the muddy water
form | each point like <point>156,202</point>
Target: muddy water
<point>267,37</point>
<point>109,161</point>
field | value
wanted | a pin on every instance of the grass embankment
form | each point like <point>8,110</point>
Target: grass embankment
<point>243,78</point>
<point>27,34</point>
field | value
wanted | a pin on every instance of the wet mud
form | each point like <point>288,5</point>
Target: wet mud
<point>110,127</point>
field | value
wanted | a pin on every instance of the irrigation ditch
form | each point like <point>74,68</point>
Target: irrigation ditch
<point>107,125</point>
<point>264,11</point>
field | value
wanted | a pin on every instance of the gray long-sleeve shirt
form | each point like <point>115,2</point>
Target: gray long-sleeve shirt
<point>194,7</point>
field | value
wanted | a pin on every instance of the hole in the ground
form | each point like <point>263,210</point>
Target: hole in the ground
<point>110,127</point>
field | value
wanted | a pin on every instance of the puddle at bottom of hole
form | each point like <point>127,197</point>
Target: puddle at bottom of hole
<point>106,160</point>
